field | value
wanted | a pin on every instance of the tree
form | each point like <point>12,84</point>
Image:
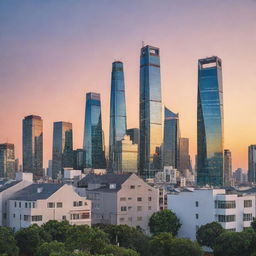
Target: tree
<point>164,221</point>
<point>29,239</point>
<point>58,230</point>
<point>118,251</point>
<point>184,247</point>
<point>7,242</point>
<point>46,249</point>
<point>235,244</point>
<point>253,224</point>
<point>127,237</point>
<point>160,244</point>
<point>207,234</point>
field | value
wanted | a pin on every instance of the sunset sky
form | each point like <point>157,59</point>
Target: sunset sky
<point>54,51</point>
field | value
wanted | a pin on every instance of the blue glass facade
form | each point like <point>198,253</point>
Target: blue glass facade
<point>117,129</point>
<point>150,112</point>
<point>171,138</point>
<point>210,122</point>
<point>93,134</point>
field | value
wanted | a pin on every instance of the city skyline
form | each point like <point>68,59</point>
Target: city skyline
<point>176,71</point>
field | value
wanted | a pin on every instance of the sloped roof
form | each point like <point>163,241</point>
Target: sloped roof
<point>7,184</point>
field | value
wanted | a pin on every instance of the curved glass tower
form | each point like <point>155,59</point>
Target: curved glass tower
<point>117,129</point>
<point>93,134</point>
<point>150,112</point>
<point>210,122</point>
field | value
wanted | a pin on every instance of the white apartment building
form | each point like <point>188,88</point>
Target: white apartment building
<point>121,199</point>
<point>196,207</point>
<point>7,189</point>
<point>39,203</point>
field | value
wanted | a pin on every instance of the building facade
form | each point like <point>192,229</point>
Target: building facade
<point>62,150</point>
<point>39,203</point>
<point>7,161</point>
<point>252,163</point>
<point>134,134</point>
<point>210,122</point>
<point>199,207</point>
<point>78,159</point>
<point>32,145</point>
<point>227,167</point>
<point>184,157</point>
<point>117,127</point>
<point>150,117</point>
<point>171,138</point>
<point>93,134</point>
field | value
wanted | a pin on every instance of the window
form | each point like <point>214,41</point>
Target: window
<point>122,199</point>
<point>121,219</point>
<point>139,208</point>
<point>231,230</point>
<point>85,215</point>
<point>26,217</point>
<point>75,216</point>
<point>4,215</point>
<point>139,218</point>
<point>14,215</point>
<point>37,218</point>
<point>19,204</point>
<point>247,217</point>
<point>132,187</point>
<point>34,205</point>
<point>29,205</point>
<point>149,198</point>
<point>64,217</point>
<point>59,204</point>
<point>197,203</point>
<point>225,204</point>
<point>26,205</point>
<point>247,203</point>
<point>51,205</point>
<point>149,207</point>
<point>197,227</point>
<point>123,209</point>
<point>139,199</point>
<point>197,216</point>
<point>226,218</point>
<point>129,207</point>
<point>85,203</point>
<point>77,203</point>
<point>129,198</point>
<point>15,204</point>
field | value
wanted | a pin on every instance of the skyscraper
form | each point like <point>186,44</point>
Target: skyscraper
<point>32,142</point>
<point>7,161</point>
<point>252,163</point>
<point>150,112</point>
<point>93,134</point>
<point>227,167</point>
<point>134,134</point>
<point>117,128</point>
<point>171,138</point>
<point>210,122</point>
<point>62,150</point>
<point>184,157</point>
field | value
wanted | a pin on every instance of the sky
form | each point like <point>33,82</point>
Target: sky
<point>53,52</point>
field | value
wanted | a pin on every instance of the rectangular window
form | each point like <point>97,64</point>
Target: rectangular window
<point>59,204</point>
<point>15,204</point>
<point>247,203</point>
<point>197,203</point>
<point>51,205</point>
<point>37,218</point>
<point>139,208</point>
<point>34,205</point>
<point>122,199</point>
<point>231,230</point>
<point>19,204</point>
<point>139,199</point>
<point>85,215</point>
<point>14,215</point>
<point>75,216</point>
<point>226,218</point>
<point>149,198</point>
<point>129,207</point>
<point>197,216</point>
<point>77,203</point>
<point>26,217</point>
<point>121,219</point>
<point>247,217</point>
<point>26,205</point>
<point>29,205</point>
<point>129,198</point>
<point>64,217</point>
<point>149,207</point>
<point>123,208</point>
<point>225,204</point>
<point>132,187</point>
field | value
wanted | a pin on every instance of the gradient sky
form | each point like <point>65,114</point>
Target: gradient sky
<point>54,51</point>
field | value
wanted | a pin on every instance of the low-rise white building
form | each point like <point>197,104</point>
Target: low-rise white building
<point>120,199</point>
<point>7,189</point>
<point>196,207</point>
<point>39,203</point>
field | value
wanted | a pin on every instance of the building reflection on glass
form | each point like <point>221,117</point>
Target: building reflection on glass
<point>93,134</point>
<point>210,122</point>
<point>150,112</point>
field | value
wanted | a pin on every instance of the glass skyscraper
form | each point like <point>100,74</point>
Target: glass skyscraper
<point>62,150</point>
<point>93,134</point>
<point>134,134</point>
<point>117,128</point>
<point>150,113</point>
<point>171,138</point>
<point>7,161</point>
<point>252,163</point>
<point>32,143</point>
<point>210,122</point>
<point>184,157</point>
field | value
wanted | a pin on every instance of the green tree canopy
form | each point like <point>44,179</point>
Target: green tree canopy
<point>7,242</point>
<point>207,234</point>
<point>160,244</point>
<point>164,221</point>
<point>118,251</point>
<point>46,249</point>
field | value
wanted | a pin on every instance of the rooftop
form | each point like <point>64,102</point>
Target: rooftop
<point>4,184</point>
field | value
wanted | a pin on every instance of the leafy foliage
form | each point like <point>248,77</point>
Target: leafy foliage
<point>7,242</point>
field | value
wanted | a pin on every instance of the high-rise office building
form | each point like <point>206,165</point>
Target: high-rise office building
<point>210,122</point>
<point>117,128</point>
<point>7,161</point>
<point>150,113</point>
<point>93,134</point>
<point>62,149</point>
<point>227,167</point>
<point>127,156</point>
<point>32,142</point>
<point>184,157</point>
<point>134,134</point>
<point>252,163</point>
<point>171,138</point>
<point>78,159</point>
